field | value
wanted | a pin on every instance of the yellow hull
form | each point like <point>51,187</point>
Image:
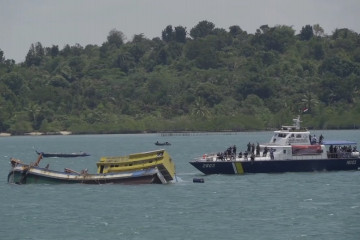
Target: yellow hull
<point>159,158</point>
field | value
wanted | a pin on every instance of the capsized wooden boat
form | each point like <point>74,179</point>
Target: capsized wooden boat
<point>137,161</point>
<point>63,155</point>
<point>21,173</point>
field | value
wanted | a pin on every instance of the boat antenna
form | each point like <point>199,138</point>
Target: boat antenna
<point>297,122</point>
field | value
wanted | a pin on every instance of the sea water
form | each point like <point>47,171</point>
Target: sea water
<point>317,205</point>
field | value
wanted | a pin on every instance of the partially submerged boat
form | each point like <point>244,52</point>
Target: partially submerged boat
<point>291,149</point>
<point>159,159</point>
<point>63,155</point>
<point>141,168</point>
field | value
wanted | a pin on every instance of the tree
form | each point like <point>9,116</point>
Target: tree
<point>202,29</point>
<point>137,51</point>
<point>283,37</point>
<point>180,34</point>
<point>341,67</point>
<point>263,29</point>
<point>167,34</point>
<point>14,81</point>
<point>203,52</point>
<point>277,38</point>
<point>2,57</point>
<point>34,111</point>
<point>318,31</point>
<point>199,109</point>
<point>306,33</point>
<point>116,38</point>
<point>209,93</point>
<point>124,61</point>
<point>76,50</point>
<point>53,51</point>
<point>138,38</point>
<point>66,51</point>
<point>309,100</point>
<point>35,54</point>
<point>235,30</point>
<point>317,51</point>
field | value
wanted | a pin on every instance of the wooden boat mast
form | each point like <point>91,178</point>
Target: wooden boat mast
<point>38,160</point>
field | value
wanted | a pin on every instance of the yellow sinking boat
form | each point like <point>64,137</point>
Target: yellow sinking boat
<point>137,161</point>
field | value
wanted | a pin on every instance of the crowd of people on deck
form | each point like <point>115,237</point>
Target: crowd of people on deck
<point>342,152</point>
<point>251,152</point>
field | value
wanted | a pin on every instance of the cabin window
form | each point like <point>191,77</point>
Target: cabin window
<point>298,135</point>
<point>283,135</point>
<point>284,151</point>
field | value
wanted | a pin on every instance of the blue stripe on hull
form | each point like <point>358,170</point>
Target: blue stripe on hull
<point>279,166</point>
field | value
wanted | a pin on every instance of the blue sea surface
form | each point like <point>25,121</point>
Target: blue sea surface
<point>317,205</point>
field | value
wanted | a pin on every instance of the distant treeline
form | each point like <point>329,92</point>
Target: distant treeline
<point>205,79</point>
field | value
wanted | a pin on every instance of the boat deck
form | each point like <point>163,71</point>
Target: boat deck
<point>215,158</point>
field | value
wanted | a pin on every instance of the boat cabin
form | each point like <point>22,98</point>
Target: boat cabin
<point>290,138</point>
<point>291,135</point>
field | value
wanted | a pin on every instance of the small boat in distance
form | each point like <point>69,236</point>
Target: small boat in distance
<point>162,143</point>
<point>291,149</point>
<point>22,173</point>
<point>63,155</point>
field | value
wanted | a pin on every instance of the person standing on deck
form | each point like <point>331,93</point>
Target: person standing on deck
<point>272,153</point>
<point>257,149</point>
<point>252,148</point>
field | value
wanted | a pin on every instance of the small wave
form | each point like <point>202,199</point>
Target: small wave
<point>177,179</point>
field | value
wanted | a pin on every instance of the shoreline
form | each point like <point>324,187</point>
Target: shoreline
<point>162,133</point>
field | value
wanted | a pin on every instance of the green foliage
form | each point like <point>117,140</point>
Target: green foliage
<point>115,38</point>
<point>202,29</point>
<point>214,80</point>
<point>35,54</point>
<point>306,33</point>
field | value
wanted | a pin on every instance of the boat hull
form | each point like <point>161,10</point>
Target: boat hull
<point>63,155</point>
<point>276,166</point>
<point>159,159</point>
<point>21,175</point>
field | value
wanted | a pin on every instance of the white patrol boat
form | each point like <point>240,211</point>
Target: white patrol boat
<point>291,149</point>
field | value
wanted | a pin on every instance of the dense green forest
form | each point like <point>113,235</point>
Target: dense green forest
<point>204,79</point>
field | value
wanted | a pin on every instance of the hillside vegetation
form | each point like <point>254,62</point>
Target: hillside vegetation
<point>204,79</point>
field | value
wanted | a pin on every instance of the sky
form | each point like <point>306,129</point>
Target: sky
<point>52,22</point>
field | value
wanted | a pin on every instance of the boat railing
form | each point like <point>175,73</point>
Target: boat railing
<point>306,157</point>
<point>343,155</point>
